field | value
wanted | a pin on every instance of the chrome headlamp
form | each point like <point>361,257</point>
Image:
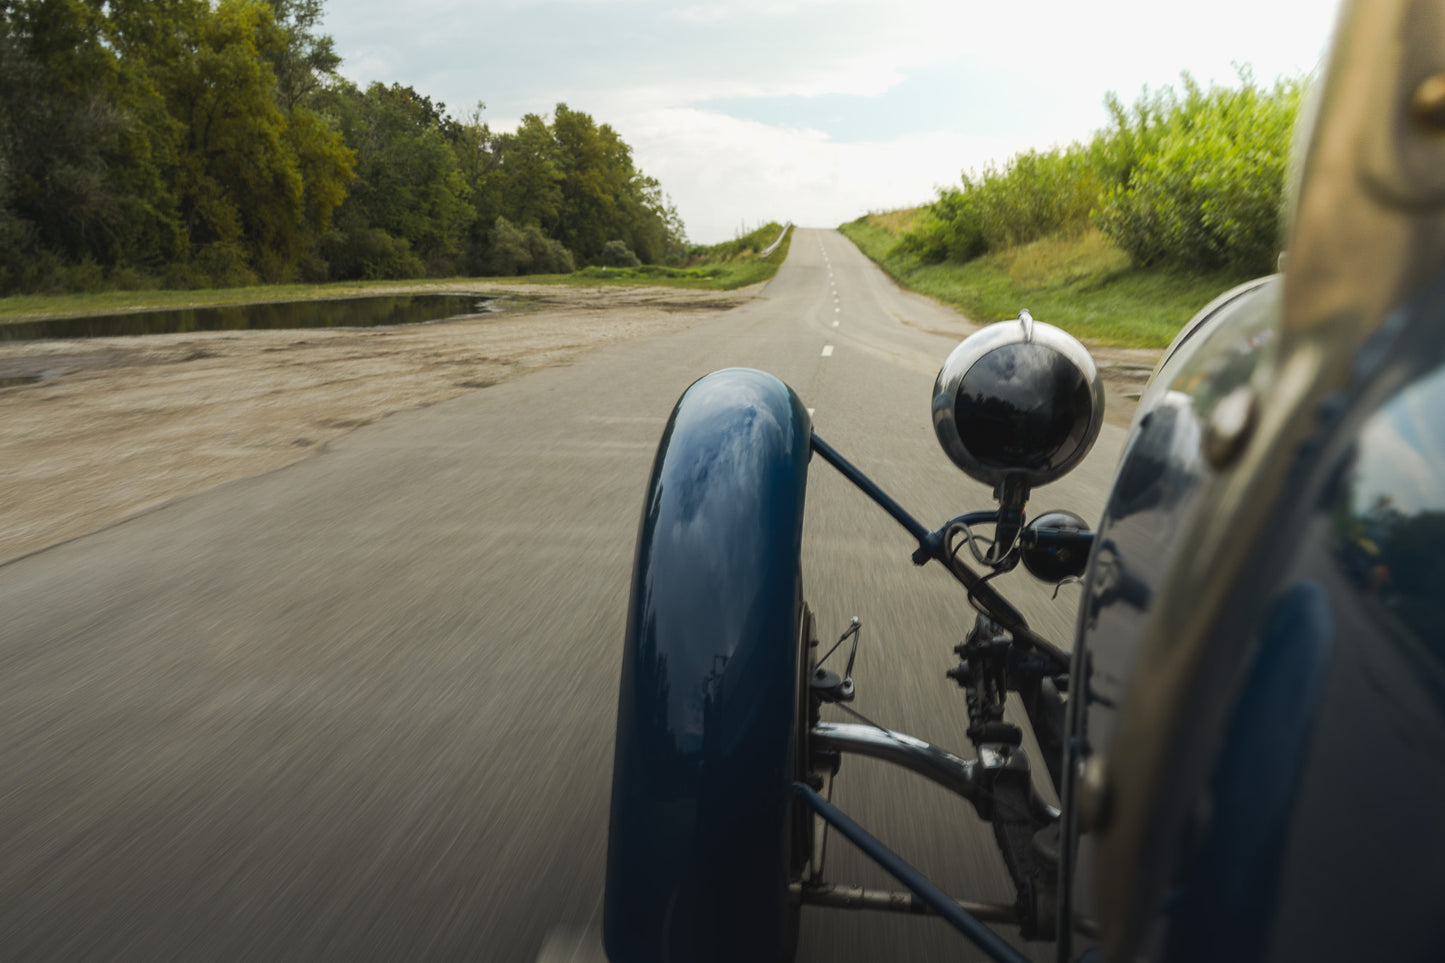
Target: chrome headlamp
<point>1019,398</point>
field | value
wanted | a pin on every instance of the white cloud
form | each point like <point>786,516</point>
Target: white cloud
<point>725,173</point>
<point>651,68</point>
<point>1391,465</point>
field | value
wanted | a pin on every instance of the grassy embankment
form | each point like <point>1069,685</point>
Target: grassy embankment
<point>1078,282</point>
<point>1121,238</point>
<point>719,267</point>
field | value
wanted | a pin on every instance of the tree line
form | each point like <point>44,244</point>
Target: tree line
<point>181,143</point>
<point>1190,179</point>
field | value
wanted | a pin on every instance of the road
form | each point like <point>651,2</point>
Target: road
<point>361,708</point>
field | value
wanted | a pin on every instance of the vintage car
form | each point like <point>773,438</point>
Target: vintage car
<point>1247,732</point>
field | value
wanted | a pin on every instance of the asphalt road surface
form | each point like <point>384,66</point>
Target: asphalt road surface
<point>362,708</point>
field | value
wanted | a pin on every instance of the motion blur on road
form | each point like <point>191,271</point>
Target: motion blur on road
<point>362,707</point>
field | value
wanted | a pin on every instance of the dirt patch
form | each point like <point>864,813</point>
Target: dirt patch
<point>116,426</point>
<point>1125,372</point>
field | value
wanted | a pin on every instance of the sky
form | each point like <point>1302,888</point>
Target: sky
<point>1401,449</point>
<point>816,111</point>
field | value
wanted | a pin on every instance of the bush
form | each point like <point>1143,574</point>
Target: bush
<point>1034,195</point>
<point>45,272</point>
<point>314,269</point>
<point>512,250</point>
<point>618,254</point>
<point>183,276</point>
<point>548,256</point>
<point>214,265</point>
<point>369,253</point>
<point>1208,194</point>
<point>1194,180</point>
<point>948,230</point>
<point>127,278</point>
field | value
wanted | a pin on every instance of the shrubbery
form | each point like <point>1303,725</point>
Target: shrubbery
<point>1193,180</point>
<point>1208,192</point>
<point>370,253</point>
<point>949,229</point>
<point>526,250</point>
<point>618,254</point>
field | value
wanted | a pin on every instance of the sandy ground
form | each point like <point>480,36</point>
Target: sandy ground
<point>117,426</point>
<point>120,425</point>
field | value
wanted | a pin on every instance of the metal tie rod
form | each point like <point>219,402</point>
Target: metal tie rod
<point>938,901</point>
<point>842,896</point>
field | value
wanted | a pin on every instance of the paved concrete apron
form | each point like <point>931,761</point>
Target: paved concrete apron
<point>362,708</point>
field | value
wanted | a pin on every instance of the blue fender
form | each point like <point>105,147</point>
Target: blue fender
<point>697,860</point>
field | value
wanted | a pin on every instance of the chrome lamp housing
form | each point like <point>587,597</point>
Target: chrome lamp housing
<point>1020,399</point>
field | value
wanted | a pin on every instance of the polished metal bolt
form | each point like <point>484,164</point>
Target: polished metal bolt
<point>1428,104</point>
<point>1095,794</point>
<point>1230,425</point>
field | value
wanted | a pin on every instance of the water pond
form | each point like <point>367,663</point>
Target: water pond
<point>366,312</point>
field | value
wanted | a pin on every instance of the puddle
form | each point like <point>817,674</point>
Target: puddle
<point>370,312</point>
<point>17,382</point>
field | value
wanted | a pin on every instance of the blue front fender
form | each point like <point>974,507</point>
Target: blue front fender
<point>697,863</point>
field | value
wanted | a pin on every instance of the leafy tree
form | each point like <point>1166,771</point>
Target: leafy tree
<point>570,179</point>
<point>305,60</point>
<point>148,133</point>
<point>326,166</point>
<point>243,168</point>
<point>474,143</point>
<point>408,181</point>
<point>604,195</point>
<point>76,184</point>
<point>211,142</point>
<point>591,181</point>
<point>531,181</point>
<point>649,220</point>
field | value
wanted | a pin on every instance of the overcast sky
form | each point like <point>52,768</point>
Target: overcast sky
<point>816,111</point>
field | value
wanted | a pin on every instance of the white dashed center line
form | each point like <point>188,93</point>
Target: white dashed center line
<point>827,350</point>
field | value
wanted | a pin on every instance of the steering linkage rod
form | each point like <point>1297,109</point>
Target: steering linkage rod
<point>931,546</point>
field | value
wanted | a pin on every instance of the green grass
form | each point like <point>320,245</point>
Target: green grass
<point>1081,284</point>
<point>735,269</point>
<point>719,277</point>
<point>721,267</point>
